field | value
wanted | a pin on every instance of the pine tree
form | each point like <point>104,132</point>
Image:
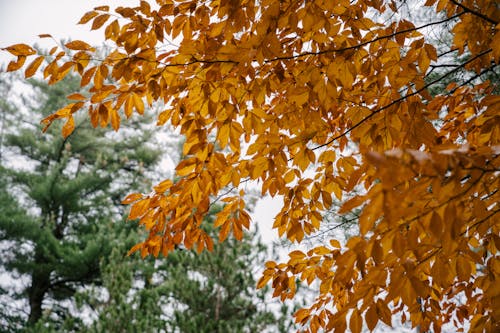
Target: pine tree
<point>60,207</point>
<point>186,292</point>
<point>62,234</point>
<point>214,291</point>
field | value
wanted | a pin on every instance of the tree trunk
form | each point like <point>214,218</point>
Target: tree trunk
<point>40,282</point>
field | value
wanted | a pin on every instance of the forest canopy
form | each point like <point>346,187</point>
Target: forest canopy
<point>316,101</point>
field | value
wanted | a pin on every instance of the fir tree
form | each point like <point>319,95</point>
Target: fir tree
<point>67,242</point>
<point>186,292</point>
<point>60,207</point>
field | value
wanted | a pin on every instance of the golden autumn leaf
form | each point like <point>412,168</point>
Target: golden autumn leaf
<point>33,66</point>
<point>78,45</point>
<point>99,21</point>
<point>132,197</point>
<point>356,322</point>
<point>20,50</point>
<point>115,119</point>
<point>68,127</point>
<point>346,117</point>
<point>15,65</point>
<point>76,96</point>
<point>88,16</point>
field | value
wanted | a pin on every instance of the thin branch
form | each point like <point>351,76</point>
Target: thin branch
<point>474,12</point>
<point>447,52</point>
<point>357,46</point>
<point>323,232</point>
<point>484,71</point>
<point>305,54</point>
<point>399,100</point>
<point>444,65</point>
<point>486,218</point>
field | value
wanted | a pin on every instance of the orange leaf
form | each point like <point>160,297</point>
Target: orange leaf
<point>76,96</point>
<point>15,65</point>
<point>263,281</point>
<point>355,323</point>
<point>68,127</point>
<point>135,248</point>
<point>132,197</point>
<point>99,21</point>
<point>87,17</point>
<point>31,69</point>
<point>20,50</point>
<point>115,119</point>
<point>139,208</point>
<point>371,317</point>
<point>79,45</point>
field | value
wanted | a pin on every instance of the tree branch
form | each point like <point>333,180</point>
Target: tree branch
<point>474,12</point>
<point>304,54</point>
<point>399,100</point>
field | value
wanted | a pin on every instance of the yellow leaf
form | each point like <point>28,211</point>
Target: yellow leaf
<point>139,208</point>
<point>15,65</point>
<point>132,197</point>
<point>384,313</point>
<point>76,96</point>
<point>356,322</point>
<point>163,186</point>
<point>263,281</point>
<point>463,267</point>
<point>20,50</point>
<point>138,103</point>
<point>371,317</point>
<point>351,204</point>
<point>87,17</point>
<point>31,69</point>
<point>103,115</point>
<point>115,119</point>
<point>135,248</point>
<point>436,225</point>
<point>79,45</point>
<point>99,21</point>
<point>185,167</point>
<point>297,254</point>
<point>223,134</point>
<point>335,243</point>
<point>102,8</point>
<point>68,127</point>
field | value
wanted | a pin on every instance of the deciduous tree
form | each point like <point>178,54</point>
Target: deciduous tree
<point>314,99</point>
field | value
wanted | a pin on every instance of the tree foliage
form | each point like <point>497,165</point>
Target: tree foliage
<point>315,99</point>
<point>185,292</point>
<point>60,201</point>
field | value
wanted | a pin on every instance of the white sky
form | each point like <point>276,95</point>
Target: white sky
<point>21,21</point>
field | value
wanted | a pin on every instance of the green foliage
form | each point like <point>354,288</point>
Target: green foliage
<point>61,220</point>
<point>59,207</point>
<point>185,292</point>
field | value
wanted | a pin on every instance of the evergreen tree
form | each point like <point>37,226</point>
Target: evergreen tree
<point>60,208</point>
<point>66,241</point>
<point>215,292</point>
<point>186,292</point>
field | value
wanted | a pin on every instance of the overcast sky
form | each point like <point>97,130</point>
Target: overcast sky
<point>21,21</point>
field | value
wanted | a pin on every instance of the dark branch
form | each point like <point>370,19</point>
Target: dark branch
<point>484,71</point>
<point>357,46</point>
<point>400,99</point>
<point>305,54</point>
<point>474,12</point>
